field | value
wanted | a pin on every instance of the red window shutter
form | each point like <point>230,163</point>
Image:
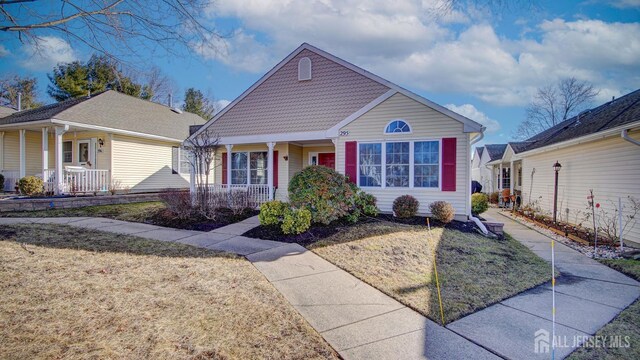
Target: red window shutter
<point>224,168</point>
<point>351,160</point>
<point>449,164</point>
<point>275,169</point>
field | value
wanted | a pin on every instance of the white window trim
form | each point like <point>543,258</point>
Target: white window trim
<point>383,163</point>
<point>72,145</point>
<point>249,166</point>
<point>317,155</point>
<point>384,130</point>
<point>77,146</point>
<point>182,171</point>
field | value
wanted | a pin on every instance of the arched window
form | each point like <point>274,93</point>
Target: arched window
<point>397,126</point>
<point>304,69</point>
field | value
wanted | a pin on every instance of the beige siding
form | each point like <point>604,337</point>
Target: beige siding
<point>11,151</point>
<point>314,149</point>
<point>426,123</point>
<point>145,165</point>
<point>33,149</point>
<point>283,166</point>
<point>295,159</point>
<point>611,167</point>
<point>103,161</point>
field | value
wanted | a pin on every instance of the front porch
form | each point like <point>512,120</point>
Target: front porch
<point>264,169</point>
<point>79,161</point>
<point>507,181</point>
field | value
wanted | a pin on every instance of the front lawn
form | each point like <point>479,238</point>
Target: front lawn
<point>154,212</point>
<point>626,325</point>
<point>474,271</point>
<point>73,293</point>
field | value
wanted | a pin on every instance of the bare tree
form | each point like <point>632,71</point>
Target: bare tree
<point>202,149</point>
<point>554,104</point>
<point>116,28</point>
<point>158,83</point>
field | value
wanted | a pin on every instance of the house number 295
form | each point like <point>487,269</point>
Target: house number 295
<point>344,132</point>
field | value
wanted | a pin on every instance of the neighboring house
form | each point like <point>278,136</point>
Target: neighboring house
<point>6,111</point>
<point>599,150</point>
<point>87,143</point>
<point>316,109</point>
<point>486,175</point>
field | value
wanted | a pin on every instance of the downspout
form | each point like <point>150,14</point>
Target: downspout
<point>625,136</point>
<point>471,217</point>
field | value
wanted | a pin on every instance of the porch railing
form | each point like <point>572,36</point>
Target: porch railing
<point>11,177</point>
<point>258,194</point>
<point>86,181</point>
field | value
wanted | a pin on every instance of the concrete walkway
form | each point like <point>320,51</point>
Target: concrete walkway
<point>588,296</point>
<point>361,322</point>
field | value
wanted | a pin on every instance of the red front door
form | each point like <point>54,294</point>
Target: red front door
<point>327,159</point>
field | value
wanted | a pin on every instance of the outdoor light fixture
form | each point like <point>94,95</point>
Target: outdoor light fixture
<point>556,169</point>
<point>286,158</point>
<point>101,142</point>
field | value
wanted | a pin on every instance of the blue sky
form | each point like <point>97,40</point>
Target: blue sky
<point>485,64</point>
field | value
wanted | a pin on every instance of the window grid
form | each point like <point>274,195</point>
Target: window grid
<point>370,159</point>
<point>397,126</point>
<point>239,168</point>
<point>426,164</point>
<point>67,151</point>
<point>249,168</point>
<point>397,164</point>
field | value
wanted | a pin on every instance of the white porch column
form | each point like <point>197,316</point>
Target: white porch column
<point>45,153</point>
<point>270,145</point>
<point>229,148</point>
<point>500,178</point>
<point>192,173</point>
<point>511,177</point>
<point>59,131</point>
<point>23,153</point>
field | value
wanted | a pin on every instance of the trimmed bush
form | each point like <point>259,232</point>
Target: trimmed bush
<point>1,183</point>
<point>405,206</point>
<point>479,203</point>
<point>31,186</point>
<point>366,203</point>
<point>493,197</point>
<point>324,192</point>
<point>442,211</point>
<point>272,212</point>
<point>296,221</point>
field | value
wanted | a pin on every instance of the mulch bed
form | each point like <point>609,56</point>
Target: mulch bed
<point>319,232</point>
<point>225,217</point>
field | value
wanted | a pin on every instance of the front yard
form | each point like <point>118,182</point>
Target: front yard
<point>474,271</point>
<point>72,293</point>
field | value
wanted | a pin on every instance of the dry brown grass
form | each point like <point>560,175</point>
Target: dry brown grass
<point>474,271</point>
<point>77,294</point>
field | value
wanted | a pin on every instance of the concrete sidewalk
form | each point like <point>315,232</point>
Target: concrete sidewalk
<point>588,296</point>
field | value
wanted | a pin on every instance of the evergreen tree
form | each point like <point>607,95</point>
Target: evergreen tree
<point>195,102</point>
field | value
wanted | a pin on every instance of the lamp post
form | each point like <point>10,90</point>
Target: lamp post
<point>556,168</point>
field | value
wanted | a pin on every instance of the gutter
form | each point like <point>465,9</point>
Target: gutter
<point>625,136</point>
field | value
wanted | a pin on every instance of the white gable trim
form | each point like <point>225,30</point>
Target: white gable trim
<point>469,125</point>
<point>265,138</point>
<point>335,130</point>
<point>114,131</point>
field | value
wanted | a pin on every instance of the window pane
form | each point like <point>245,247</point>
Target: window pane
<point>83,152</point>
<point>397,126</point>
<point>185,164</point>
<point>370,164</point>
<point>67,151</point>
<point>426,171</point>
<point>397,164</point>
<point>258,168</point>
<point>239,168</point>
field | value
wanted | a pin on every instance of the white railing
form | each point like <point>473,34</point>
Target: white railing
<point>11,177</point>
<point>86,181</point>
<point>258,194</point>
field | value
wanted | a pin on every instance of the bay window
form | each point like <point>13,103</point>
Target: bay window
<point>404,164</point>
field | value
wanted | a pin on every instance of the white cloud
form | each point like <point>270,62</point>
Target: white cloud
<point>625,4</point>
<point>221,104</point>
<point>48,52</point>
<point>474,114</point>
<point>3,51</point>
<point>405,42</point>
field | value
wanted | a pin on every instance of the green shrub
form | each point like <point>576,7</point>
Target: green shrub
<point>442,211</point>
<point>366,203</point>
<point>479,203</point>
<point>1,182</point>
<point>324,192</point>
<point>272,212</point>
<point>405,206</point>
<point>296,221</point>
<point>31,186</point>
<point>493,197</point>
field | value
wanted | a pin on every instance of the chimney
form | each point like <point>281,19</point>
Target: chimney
<point>19,101</point>
<point>613,98</point>
<point>170,100</point>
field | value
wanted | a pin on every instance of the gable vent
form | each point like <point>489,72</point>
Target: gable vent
<point>304,69</point>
